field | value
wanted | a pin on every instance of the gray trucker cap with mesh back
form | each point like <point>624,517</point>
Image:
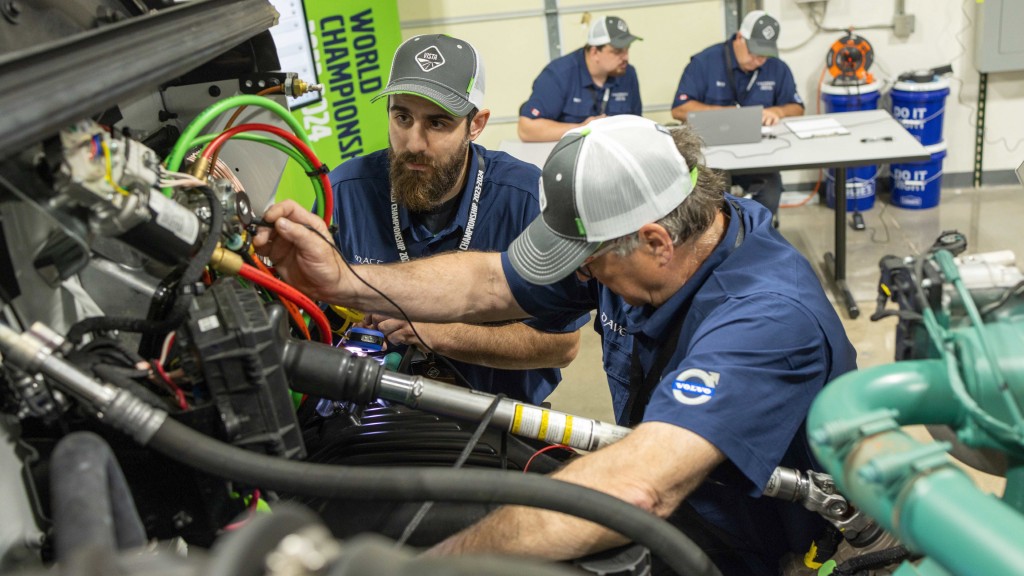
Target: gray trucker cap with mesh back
<point>602,181</point>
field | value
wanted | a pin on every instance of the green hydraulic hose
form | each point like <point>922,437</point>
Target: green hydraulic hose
<point>207,116</point>
<point>318,187</point>
<point>952,273</point>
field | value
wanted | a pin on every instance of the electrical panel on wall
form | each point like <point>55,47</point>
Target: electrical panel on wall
<point>999,45</point>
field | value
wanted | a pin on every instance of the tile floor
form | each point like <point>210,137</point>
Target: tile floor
<point>992,218</point>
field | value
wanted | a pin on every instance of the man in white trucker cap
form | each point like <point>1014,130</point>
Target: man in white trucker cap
<point>723,329</point>
<point>591,82</point>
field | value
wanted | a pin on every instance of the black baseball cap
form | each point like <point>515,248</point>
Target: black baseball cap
<point>445,70</point>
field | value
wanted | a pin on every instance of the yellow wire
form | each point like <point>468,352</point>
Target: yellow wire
<point>348,315</point>
<point>110,176</point>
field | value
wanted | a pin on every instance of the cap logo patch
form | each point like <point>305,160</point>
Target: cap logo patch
<point>768,32</point>
<point>694,387</point>
<point>430,59</point>
<point>621,25</point>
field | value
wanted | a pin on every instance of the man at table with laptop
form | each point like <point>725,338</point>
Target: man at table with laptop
<point>592,82</point>
<point>743,74</point>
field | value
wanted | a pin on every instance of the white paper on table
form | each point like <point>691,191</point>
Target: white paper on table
<point>815,127</point>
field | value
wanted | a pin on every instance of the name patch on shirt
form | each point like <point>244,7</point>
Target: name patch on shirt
<point>611,326</point>
<point>366,259</point>
<point>620,96</point>
<point>766,85</point>
<point>694,386</point>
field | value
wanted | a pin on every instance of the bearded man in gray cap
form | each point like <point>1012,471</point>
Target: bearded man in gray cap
<point>730,337</point>
<point>433,190</point>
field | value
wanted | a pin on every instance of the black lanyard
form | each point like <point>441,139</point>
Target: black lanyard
<point>467,234</point>
<point>642,382</point>
<point>732,80</point>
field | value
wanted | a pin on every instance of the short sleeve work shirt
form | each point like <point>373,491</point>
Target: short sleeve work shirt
<point>706,79</point>
<point>758,340</point>
<point>508,203</point>
<point>565,92</point>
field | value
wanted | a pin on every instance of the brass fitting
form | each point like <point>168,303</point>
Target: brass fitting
<point>225,261</point>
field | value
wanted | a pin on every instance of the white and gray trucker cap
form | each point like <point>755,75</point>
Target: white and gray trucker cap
<point>602,181</point>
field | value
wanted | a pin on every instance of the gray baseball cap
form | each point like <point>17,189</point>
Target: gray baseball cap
<point>445,70</point>
<point>601,181</point>
<point>762,33</point>
<point>610,30</point>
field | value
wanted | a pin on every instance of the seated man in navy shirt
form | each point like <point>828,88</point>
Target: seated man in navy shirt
<point>744,71</point>
<point>434,191</point>
<point>732,337</point>
<point>593,82</point>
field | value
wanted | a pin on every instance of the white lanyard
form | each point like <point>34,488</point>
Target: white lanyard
<point>467,234</point>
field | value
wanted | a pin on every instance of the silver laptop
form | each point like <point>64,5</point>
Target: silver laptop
<point>727,125</point>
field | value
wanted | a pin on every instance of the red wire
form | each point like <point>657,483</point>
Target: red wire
<point>543,450</point>
<point>254,502</point>
<point>292,139</point>
<point>178,394</point>
<point>285,291</point>
<point>292,309</point>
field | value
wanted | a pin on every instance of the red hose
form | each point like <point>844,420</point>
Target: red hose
<point>292,139</point>
<point>285,291</point>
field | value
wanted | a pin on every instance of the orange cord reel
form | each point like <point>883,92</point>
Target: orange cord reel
<point>848,60</point>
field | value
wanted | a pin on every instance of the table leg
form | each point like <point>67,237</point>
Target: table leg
<point>835,266</point>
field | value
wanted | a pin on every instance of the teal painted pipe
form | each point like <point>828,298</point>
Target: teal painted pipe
<point>911,488</point>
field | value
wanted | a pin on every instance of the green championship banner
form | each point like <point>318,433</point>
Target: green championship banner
<point>353,42</point>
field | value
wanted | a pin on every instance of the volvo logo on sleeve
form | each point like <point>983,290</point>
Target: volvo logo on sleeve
<point>694,387</point>
<point>429,59</point>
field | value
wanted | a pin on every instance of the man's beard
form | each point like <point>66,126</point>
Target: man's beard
<point>419,191</point>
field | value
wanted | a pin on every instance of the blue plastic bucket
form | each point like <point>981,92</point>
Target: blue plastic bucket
<point>860,181</point>
<point>850,98</point>
<point>919,107</point>
<point>860,188</point>
<point>916,185</point>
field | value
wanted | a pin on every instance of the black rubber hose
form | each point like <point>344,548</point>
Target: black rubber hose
<point>191,448</point>
<point>371,554</point>
<point>92,506</point>
<point>872,561</point>
<point>193,271</point>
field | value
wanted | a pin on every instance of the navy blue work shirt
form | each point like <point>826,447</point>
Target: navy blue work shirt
<point>758,340</point>
<point>509,201</point>
<point>706,79</point>
<point>565,92</point>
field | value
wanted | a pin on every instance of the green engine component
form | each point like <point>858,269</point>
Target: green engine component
<point>962,366</point>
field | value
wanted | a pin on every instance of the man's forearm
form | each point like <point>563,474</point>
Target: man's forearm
<point>510,347</point>
<point>680,112</point>
<point>458,286</point>
<point>790,109</point>
<point>654,468</point>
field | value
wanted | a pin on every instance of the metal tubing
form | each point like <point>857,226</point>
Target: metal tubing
<point>513,416</point>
